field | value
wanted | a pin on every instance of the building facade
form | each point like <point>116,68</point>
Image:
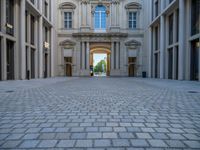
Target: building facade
<point>113,27</point>
<point>27,37</point>
<point>174,35</point>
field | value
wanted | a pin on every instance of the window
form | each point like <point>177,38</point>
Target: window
<point>67,20</point>
<point>156,8</point>
<point>132,20</point>
<point>10,17</point>
<point>100,17</point>
<point>45,9</point>
<point>26,26</point>
<point>171,29</point>
<point>195,17</point>
<point>46,34</point>
<point>32,30</point>
<point>156,39</point>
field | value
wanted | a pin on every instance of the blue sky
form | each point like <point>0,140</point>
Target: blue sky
<point>98,57</point>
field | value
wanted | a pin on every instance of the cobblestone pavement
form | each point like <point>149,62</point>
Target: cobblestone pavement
<point>99,114</point>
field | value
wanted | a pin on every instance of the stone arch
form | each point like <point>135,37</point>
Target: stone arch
<point>133,5</point>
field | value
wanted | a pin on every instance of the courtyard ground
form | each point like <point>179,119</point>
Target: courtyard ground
<point>99,114</point>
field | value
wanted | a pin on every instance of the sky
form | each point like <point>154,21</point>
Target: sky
<point>98,57</point>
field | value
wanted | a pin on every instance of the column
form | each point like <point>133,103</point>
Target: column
<point>181,39</point>
<point>40,47</point>
<point>150,52</point>
<point>52,51</point>
<point>162,47</point>
<point>112,56</point>
<point>83,55</point>
<point>22,41</point>
<point>117,55</point>
<point>88,55</point>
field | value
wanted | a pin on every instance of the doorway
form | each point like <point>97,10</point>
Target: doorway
<point>68,66</point>
<point>100,62</point>
<point>10,59</point>
<point>132,66</point>
<point>195,60</point>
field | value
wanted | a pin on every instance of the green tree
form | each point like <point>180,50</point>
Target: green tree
<point>99,67</point>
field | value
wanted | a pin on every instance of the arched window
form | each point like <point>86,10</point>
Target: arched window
<point>100,17</point>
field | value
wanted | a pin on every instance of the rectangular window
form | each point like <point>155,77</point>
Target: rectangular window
<point>10,17</point>
<point>195,17</point>
<point>132,20</point>
<point>46,34</point>
<point>177,26</point>
<point>67,20</point>
<point>45,9</point>
<point>156,65</point>
<point>177,59</point>
<point>26,26</point>
<point>156,8</point>
<point>32,30</point>
<point>170,1</point>
<point>171,29</point>
<point>156,38</point>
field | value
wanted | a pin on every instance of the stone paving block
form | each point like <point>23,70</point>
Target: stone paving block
<point>176,136</point>
<point>91,129</point>
<point>47,136</point>
<point>78,135</point>
<point>175,144</point>
<point>191,136</point>
<point>159,136</point>
<point>139,143</point>
<point>11,144</point>
<point>15,136</point>
<point>62,129</point>
<point>62,136</point>
<point>105,129</point>
<point>120,142</point>
<point>84,143</point>
<point>102,143</point>
<point>157,143</point>
<point>94,135</point>
<point>109,135</point>
<point>127,135</point>
<point>33,130</point>
<point>47,130</point>
<point>47,143</point>
<point>29,144</point>
<point>193,144</point>
<point>31,136</point>
<point>77,129</point>
<point>66,143</point>
<point>143,135</point>
<point>119,129</point>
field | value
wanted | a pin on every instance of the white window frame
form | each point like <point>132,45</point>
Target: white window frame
<point>133,20</point>
<point>67,20</point>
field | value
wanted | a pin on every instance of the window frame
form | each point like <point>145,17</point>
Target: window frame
<point>100,19</point>
<point>132,20</point>
<point>67,20</point>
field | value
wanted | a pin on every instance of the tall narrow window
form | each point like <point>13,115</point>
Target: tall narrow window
<point>10,17</point>
<point>195,17</point>
<point>68,20</point>
<point>45,9</point>
<point>132,20</point>
<point>171,29</point>
<point>26,26</point>
<point>32,30</point>
<point>156,38</point>
<point>100,18</point>
<point>156,8</point>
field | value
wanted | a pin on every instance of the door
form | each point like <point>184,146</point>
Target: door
<point>68,70</point>
<point>195,60</point>
<point>10,60</point>
<point>46,65</point>
<point>132,67</point>
<point>32,63</point>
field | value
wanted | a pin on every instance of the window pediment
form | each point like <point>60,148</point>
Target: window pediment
<point>67,5</point>
<point>132,43</point>
<point>67,43</point>
<point>133,5</point>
